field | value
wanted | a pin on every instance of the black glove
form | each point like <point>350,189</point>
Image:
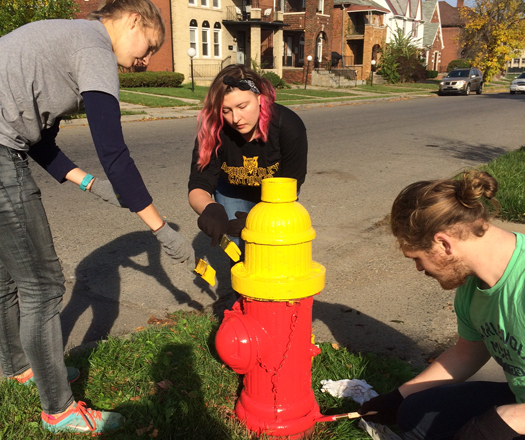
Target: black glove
<point>104,190</point>
<point>487,426</point>
<point>213,222</point>
<point>236,225</point>
<point>386,406</point>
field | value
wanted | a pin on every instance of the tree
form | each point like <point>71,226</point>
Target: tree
<point>494,33</point>
<point>15,13</point>
<point>400,60</point>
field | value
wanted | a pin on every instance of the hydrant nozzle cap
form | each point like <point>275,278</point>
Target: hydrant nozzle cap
<point>279,190</point>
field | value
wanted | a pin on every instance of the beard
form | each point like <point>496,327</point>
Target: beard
<point>452,272</point>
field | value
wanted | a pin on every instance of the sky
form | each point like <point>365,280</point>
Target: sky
<point>452,2</point>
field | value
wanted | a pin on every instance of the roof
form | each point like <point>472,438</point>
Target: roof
<point>428,9</point>
<point>361,5</point>
<point>450,15</point>
<point>429,34</point>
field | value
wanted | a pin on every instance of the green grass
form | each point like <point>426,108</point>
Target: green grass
<point>199,92</point>
<point>170,384</point>
<point>509,171</point>
<point>150,100</point>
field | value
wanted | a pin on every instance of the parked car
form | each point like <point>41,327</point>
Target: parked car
<point>518,84</point>
<point>462,80</point>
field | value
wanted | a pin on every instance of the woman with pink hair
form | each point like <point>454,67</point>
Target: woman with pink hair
<point>243,137</point>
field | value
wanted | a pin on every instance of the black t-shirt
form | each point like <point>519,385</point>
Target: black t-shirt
<point>243,165</point>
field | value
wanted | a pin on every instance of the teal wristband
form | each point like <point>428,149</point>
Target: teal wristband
<point>85,182</point>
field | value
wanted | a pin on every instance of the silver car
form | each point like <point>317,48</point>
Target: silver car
<point>462,80</point>
<point>518,84</point>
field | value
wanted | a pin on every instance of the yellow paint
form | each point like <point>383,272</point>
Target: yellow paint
<point>205,271</point>
<point>278,234</point>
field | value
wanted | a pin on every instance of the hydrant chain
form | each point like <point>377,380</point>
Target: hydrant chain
<point>293,325</point>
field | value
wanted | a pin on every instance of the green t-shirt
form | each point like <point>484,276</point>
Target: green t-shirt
<point>497,317</point>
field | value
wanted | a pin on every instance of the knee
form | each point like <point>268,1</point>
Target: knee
<point>410,418</point>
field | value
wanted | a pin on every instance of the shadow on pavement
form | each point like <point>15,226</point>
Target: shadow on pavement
<point>98,283</point>
<point>361,333</point>
<point>481,153</point>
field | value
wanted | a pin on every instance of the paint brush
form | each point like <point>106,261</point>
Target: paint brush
<point>206,272</point>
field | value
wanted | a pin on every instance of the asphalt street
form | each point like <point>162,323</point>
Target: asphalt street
<point>360,157</point>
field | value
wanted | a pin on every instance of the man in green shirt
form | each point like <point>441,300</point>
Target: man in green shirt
<point>444,227</point>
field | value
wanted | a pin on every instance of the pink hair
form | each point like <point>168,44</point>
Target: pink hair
<point>210,120</point>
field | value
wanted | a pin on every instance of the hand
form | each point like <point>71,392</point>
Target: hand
<point>236,225</point>
<point>175,245</point>
<point>104,190</point>
<point>488,425</point>
<point>213,222</point>
<point>386,406</point>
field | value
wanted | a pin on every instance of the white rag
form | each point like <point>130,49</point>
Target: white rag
<point>360,392</point>
<point>356,389</point>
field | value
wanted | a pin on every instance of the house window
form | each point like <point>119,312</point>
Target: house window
<point>414,29</point>
<point>193,36</point>
<point>319,52</point>
<point>205,39</point>
<point>204,3</point>
<point>217,40</point>
<point>301,49</point>
<point>192,2</point>
<point>216,3</point>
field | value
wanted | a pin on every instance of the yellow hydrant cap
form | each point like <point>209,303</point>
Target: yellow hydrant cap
<point>279,190</point>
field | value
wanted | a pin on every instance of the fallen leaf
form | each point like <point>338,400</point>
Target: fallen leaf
<point>335,346</point>
<point>165,384</point>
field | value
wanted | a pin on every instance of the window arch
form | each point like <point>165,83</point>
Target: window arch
<point>217,40</point>
<point>205,35</point>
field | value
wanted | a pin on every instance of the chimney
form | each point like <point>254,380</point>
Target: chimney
<point>460,3</point>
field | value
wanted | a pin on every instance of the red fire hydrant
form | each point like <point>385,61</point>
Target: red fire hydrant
<point>267,334</point>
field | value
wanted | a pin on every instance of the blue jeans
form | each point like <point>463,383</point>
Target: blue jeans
<point>440,412</point>
<point>225,195</point>
<point>31,286</point>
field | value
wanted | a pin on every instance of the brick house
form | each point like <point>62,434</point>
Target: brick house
<point>432,36</point>
<point>307,32</point>
<point>359,30</point>
<point>451,27</point>
<point>222,32</point>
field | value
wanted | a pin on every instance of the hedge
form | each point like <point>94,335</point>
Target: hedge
<point>458,63</point>
<point>432,73</point>
<point>276,80</point>
<point>151,79</point>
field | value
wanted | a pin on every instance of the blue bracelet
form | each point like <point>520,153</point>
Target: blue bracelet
<point>85,182</point>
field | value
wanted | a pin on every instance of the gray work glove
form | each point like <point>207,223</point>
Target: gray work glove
<point>175,245</point>
<point>104,190</point>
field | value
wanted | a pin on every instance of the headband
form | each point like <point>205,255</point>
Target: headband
<point>242,84</point>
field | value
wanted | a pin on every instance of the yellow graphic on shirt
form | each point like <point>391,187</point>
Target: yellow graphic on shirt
<point>250,174</point>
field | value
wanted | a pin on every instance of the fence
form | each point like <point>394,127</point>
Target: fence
<point>206,70</point>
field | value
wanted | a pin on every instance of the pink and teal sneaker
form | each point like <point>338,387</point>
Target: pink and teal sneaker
<point>82,420</point>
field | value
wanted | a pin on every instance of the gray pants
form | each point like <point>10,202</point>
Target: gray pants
<point>31,286</point>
